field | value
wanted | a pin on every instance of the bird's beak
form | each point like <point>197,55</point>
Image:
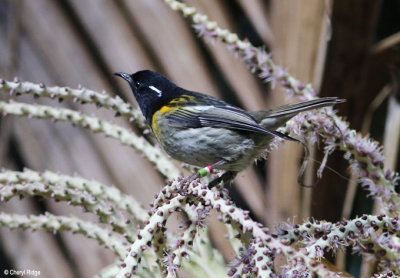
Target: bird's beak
<point>125,76</point>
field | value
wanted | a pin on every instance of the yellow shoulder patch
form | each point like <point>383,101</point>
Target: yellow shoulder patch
<point>166,109</point>
<point>154,125</point>
<point>173,105</point>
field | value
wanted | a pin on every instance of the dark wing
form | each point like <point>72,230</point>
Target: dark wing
<point>219,117</point>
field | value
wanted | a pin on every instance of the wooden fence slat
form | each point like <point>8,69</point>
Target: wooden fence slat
<point>296,48</point>
<point>173,44</point>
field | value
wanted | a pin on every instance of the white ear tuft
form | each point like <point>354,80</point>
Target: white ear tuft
<point>159,93</point>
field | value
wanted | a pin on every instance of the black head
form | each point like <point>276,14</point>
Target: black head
<point>151,89</point>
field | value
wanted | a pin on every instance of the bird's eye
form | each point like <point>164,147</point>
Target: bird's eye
<point>138,84</point>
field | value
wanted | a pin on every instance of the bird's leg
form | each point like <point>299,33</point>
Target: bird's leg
<point>203,172</point>
<point>226,177</point>
<point>206,171</point>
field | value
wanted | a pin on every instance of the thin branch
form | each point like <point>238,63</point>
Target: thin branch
<point>52,223</point>
<point>108,193</point>
<point>82,95</point>
<point>153,154</point>
<point>106,212</point>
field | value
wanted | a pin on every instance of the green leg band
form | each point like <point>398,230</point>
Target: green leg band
<point>203,172</point>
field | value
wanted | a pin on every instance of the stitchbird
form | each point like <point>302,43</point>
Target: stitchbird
<point>201,130</point>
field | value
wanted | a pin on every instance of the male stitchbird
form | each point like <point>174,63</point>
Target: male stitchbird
<point>201,130</point>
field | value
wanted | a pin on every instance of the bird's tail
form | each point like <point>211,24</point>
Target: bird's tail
<point>274,118</point>
<point>291,110</point>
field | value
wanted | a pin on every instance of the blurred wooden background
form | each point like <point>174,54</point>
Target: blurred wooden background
<point>344,48</point>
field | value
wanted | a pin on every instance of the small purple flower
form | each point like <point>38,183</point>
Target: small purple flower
<point>200,29</point>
